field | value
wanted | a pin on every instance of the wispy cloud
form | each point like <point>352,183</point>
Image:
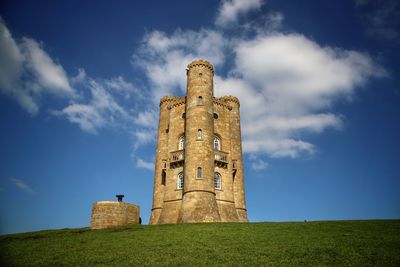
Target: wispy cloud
<point>140,163</point>
<point>100,110</point>
<point>381,18</point>
<point>28,72</point>
<point>259,165</point>
<point>230,10</point>
<point>21,185</point>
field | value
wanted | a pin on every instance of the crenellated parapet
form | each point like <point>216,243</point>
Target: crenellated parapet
<point>201,63</point>
<point>221,102</point>
<point>169,99</point>
<point>178,102</point>
<point>230,98</point>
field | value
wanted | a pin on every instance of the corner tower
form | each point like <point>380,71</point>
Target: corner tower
<point>199,168</point>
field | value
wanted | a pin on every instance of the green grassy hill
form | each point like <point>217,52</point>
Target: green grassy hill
<point>333,243</point>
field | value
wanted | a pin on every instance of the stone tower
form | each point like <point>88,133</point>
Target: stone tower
<point>199,171</point>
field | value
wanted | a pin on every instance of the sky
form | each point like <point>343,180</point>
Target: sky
<point>80,84</point>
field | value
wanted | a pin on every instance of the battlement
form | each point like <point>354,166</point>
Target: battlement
<point>201,63</point>
<point>230,98</point>
<point>221,102</point>
<point>169,98</point>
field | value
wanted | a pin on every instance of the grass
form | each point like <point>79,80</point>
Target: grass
<point>325,243</point>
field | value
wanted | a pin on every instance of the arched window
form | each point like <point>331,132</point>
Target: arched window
<point>180,181</point>
<point>199,172</point>
<point>217,181</point>
<point>181,144</point>
<point>199,134</point>
<point>200,100</point>
<point>217,143</point>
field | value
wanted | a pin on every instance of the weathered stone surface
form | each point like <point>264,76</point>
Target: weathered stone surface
<point>106,214</point>
<point>199,200</point>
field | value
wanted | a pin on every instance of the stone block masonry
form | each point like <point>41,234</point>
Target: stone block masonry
<point>106,214</point>
<point>199,166</point>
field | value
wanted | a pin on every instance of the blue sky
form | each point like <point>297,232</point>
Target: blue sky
<point>80,84</point>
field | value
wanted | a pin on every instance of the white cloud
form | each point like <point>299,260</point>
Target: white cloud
<point>230,10</point>
<point>101,110</point>
<point>296,69</point>
<point>80,77</point>
<point>11,65</point>
<point>265,24</point>
<point>286,83</point>
<point>49,75</point>
<point>28,72</point>
<point>164,58</point>
<point>87,117</point>
<point>259,165</point>
<point>127,89</point>
<point>274,21</point>
<point>21,185</point>
<point>144,164</point>
<point>11,59</point>
<point>143,136</point>
<point>291,80</point>
<point>147,119</point>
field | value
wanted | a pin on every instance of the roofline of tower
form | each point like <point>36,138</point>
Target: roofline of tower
<point>202,63</point>
<point>231,98</point>
<point>169,98</point>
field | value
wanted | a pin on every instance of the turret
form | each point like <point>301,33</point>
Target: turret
<point>198,201</point>
<point>161,160</point>
<point>236,156</point>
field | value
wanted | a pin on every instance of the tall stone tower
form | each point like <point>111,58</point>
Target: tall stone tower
<point>199,171</point>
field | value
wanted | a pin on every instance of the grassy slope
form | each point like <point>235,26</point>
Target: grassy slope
<point>340,243</point>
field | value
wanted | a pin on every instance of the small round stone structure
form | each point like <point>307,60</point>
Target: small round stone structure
<point>107,214</point>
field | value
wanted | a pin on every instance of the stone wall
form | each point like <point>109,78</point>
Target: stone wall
<point>199,201</point>
<point>106,214</point>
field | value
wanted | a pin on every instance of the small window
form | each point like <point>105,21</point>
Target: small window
<point>199,134</point>
<point>215,116</point>
<point>164,164</point>
<point>217,181</point>
<point>183,115</point>
<point>200,100</point>
<point>217,143</point>
<point>180,181</point>
<point>163,177</point>
<point>181,144</point>
<point>199,173</point>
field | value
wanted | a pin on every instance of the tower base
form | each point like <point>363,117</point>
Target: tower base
<point>227,211</point>
<point>199,206</point>
<point>242,214</point>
